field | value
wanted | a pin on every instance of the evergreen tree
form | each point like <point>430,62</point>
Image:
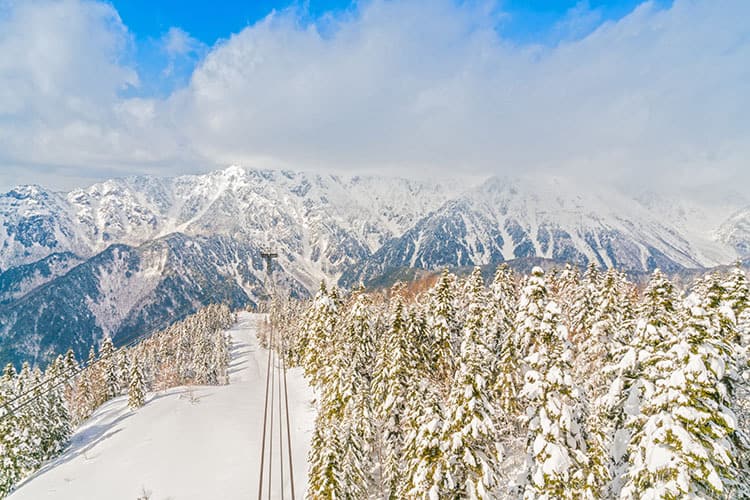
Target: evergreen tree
<point>646,367</point>
<point>531,305</point>
<point>469,428</point>
<point>738,291</point>
<point>507,380</point>
<point>14,446</point>
<point>594,371</point>
<point>359,342</point>
<point>326,477</point>
<point>503,299</point>
<point>58,420</point>
<point>335,449</point>
<point>83,402</point>
<point>204,360</point>
<point>557,461</point>
<point>319,331</point>
<point>136,389</point>
<point>123,371</point>
<point>425,452</point>
<point>443,330</point>
<point>395,374</point>
<point>108,366</point>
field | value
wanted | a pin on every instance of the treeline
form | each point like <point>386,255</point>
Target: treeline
<point>39,410</point>
<point>543,386</point>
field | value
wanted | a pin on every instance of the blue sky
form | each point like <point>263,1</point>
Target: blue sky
<point>528,20</point>
<point>545,22</point>
<point>624,91</point>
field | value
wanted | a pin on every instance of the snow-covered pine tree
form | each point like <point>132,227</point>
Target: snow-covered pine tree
<point>705,457</point>
<point>320,328</point>
<point>557,462</point>
<point>507,380</point>
<point>503,297</point>
<point>203,358</point>
<point>326,479</point>
<point>122,370</point>
<point>108,366</point>
<point>611,325</point>
<point>565,289</point>
<point>83,402</point>
<point>136,388</point>
<point>393,381</point>
<point>14,446</point>
<point>35,416</point>
<point>221,357</point>
<point>58,424</point>
<point>582,306</point>
<point>530,311</point>
<point>70,369</point>
<point>28,420</point>
<point>645,370</point>
<point>532,301</point>
<point>97,381</point>
<point>469,430</point>
<point>443,329</point>
<point>416,324</point>
<point>336,449</point>
<point>738,291</point>
<point>345,395</point>
<point>425,452</point>
<point>359,343</point>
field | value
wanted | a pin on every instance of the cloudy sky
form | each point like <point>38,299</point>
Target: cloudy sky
<point>623,91</point>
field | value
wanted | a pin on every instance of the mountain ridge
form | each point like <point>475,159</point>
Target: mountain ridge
<point>196,239</point>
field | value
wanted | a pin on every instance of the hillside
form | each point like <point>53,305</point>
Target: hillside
<point>185,443</point>
<point>128,256</point>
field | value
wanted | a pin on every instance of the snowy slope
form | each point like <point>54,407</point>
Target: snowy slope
<point>323,226</point>
<point>196,239</point>
<point>34,224</point>
<point>736,232</point>
<point>178,449</point>
<point>703,218</point>
<point>548,217</point>
<point>128,291</point>
<point>330,221</point>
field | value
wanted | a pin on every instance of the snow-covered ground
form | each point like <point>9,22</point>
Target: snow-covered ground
<point>185,443</point>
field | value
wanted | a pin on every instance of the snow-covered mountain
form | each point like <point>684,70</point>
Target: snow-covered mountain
<point>736,232</point>
<point>321,223</point>
<point>34,224</point>
<point>503,219</point>
<point>126,291</point>
<point>129,255</point>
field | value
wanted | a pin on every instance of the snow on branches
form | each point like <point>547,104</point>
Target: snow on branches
<point>38,410</point>
<point>564,385</point>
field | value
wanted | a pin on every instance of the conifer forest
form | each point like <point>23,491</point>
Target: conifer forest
<point>557,385</point>
<point>547,386</point>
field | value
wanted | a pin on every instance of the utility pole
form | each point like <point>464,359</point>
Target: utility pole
<point>268,256</point>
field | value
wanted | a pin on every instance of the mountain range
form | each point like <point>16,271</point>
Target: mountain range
<point>128,256</point>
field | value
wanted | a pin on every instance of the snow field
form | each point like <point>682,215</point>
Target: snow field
<point>186,443</point>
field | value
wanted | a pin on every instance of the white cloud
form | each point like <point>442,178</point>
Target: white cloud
<point>178,42</point>
<point>181,48</point>
<point>409,86</point>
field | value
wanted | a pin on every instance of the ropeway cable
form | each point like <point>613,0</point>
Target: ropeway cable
<point>10,409</point>
<point>288,426</point>
<point>270,433</point>
<point>281,423</point>
<point>275,369</point>
<point>265,419</point>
